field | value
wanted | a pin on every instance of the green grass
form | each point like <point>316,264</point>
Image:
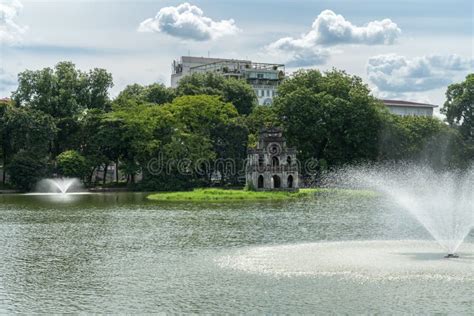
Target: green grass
<point>210,195</point>
<point>348,193</point>
<point>229,195</point>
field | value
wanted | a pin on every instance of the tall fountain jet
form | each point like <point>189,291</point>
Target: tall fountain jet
<point>442,201</point>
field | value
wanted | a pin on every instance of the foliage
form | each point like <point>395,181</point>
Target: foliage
<point>459,110</point>
<point>72,164</point>
<point>329,116</point>
<point>261,117</point>
<point>214,125</point>
<point>235,91</point>
<point>420,138</point>
<point>64,116</point>
<point>154,94</point>
<point>26,169</point>
<point>63,91</point>
<point>24,130</point>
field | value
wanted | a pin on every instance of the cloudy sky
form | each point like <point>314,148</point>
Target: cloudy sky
<point>405,49</point>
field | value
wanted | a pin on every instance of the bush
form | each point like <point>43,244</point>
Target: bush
<point>72,164</point>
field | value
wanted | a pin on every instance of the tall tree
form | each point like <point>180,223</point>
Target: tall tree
<point>218,122</point>
<point>235,91</point>
<point>425,139</point>
<point>64,93</point>
<point>459,109</point>
<point>155,93</point>
<point>330,117</point>
<point>26,131</point>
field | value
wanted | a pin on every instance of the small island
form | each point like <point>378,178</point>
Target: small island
<point>229,195</point>
<point>209,195</point>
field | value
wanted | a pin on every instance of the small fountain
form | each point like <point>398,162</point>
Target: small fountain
<point>442,201</point>
<point>60,186</point>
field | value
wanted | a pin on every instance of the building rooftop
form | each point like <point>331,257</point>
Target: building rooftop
<point>408,104</point>
<point>195,59</point>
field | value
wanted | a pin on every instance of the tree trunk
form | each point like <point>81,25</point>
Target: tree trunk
<point>91,174</point>
<point>4,171</point>
<point>104,180</point>
<point>116,172</point>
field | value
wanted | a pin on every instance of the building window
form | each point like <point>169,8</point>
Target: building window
<point>268,93</point>
<point>275,162</point>
<point>290,181</point>
<point>259,76</point>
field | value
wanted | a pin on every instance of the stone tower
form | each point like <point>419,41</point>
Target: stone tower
<point>272,165</point>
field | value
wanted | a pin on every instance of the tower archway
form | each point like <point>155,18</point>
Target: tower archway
<point>276,182</point>
<point>260,182</point>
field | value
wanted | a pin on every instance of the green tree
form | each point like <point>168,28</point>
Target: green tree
<point>329,116</point>
<point>98,85</point>
<point>72,164</point>
<point>424,139</point>
<point>26,169</point>
<point>262,117</point>
<point>155,93</point>
<point>235,91</point>
<point>217,121</point>
<point>24,129</point>
<point>143,129</point>
<point>459,110</point>
<point>64,93</point>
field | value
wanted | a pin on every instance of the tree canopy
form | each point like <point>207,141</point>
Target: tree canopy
<point>235,91</point>
<point>459,109</point>
<point>62,121</point>
<point>63,91</point>
<point>330,117</point>
<point>155,93</point>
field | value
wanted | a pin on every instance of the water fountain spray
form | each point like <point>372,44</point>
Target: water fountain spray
<point>442,201</point>
<point>58,185</point>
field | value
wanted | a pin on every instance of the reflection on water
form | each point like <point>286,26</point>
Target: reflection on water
<point>114,253</point>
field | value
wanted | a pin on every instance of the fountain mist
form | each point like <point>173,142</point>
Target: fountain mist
<point>58,185</point>
<point>442,201</point>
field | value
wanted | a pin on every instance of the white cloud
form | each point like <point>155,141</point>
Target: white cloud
<point>10,31</point>
<point>297,54</point>
<point>397,74</point>
<point>187,21</point>
<point>331,29</point>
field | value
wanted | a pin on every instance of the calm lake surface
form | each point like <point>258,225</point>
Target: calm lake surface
<point>119,253</point>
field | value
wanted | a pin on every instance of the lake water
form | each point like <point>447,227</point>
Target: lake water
<point>119,253</point>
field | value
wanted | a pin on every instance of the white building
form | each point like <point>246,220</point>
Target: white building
<point>263,77</point>
<point>406,108</point>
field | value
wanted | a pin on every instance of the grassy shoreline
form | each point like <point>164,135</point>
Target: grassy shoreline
<point>224,195</point>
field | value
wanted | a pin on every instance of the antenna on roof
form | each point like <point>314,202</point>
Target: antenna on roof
<point>208,53</point>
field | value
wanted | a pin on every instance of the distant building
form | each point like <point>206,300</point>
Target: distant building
<point>263,77</point>
<point>406,108</point>
<point>272,165</point>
